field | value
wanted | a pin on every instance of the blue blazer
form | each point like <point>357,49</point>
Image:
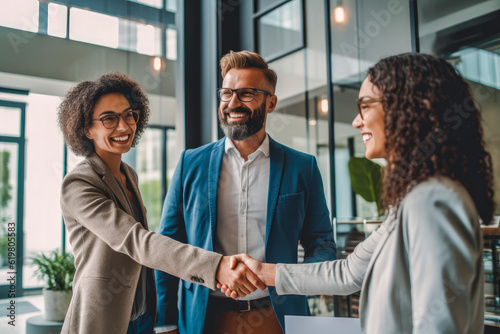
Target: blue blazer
<point>296,211</point>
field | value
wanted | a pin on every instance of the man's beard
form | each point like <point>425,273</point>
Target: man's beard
<point>245,129</point>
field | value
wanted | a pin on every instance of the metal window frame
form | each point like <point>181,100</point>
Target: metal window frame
<point>258,15</point>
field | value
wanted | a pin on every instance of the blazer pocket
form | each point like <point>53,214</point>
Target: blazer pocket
<point>291,197</point>
<point>289,215</point>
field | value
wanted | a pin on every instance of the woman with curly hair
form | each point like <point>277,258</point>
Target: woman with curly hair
<point>422,270</point>
<point>113,288</point>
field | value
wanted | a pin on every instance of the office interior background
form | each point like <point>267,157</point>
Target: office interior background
<point>320,50</point>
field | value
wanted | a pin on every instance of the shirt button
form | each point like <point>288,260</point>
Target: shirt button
<point>242,212</point>
<point>244,189</point>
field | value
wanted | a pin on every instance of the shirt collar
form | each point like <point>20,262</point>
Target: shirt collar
<point>264,147</point>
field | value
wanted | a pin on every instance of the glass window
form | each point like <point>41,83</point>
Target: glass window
<point>171,5</point>
<point>152,3</point>
<point>43,178</point>
<point>20,14</point>
<point>8,200</point>
<point>149,170</point>
<point>360,31</point>
<point>481,69</point>
<point>8,165</point>
<point>57,20</point>
<point>281,30</point>
<point>171,36</point>
<point>264,4</point>
<point>11,121</point>
<point>92,27</point>
<point>148,39</point>
<point>287,124</point>
<point>362,37</point>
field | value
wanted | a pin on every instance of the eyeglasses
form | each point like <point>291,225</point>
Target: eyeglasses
<point>111,121</point>
<point>243,94</point>
<point>364,101</point>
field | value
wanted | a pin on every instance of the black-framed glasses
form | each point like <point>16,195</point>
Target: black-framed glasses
<point>363,102</point>
<point>110,121</point>
<point>243,94</point>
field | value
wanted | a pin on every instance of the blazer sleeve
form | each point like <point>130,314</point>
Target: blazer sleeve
<point>171,225</point>
<point>91,206</point>
<point>317,232</point>
<point>339,277</point>
<point>443,244</point>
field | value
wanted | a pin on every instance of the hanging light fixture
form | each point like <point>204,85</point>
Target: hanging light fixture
<point>157,63</point>
<point>323,106</point>
<point>339,12</point>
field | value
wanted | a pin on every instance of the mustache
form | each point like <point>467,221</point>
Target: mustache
<point>238,110</point>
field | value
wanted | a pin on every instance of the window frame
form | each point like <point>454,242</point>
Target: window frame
<point>259,14</point>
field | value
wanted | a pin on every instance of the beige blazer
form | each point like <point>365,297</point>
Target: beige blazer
<point>110,247</point>
<point>420,273</point>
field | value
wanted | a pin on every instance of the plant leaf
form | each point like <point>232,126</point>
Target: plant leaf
<point>366,179</point>
<point>57,269</point>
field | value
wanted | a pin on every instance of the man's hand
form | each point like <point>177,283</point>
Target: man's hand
<point>238,278</point>
<point>266,272</point>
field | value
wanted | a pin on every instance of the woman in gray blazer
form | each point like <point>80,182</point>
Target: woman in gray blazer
<point>422,270</point>
<point>113,288</point>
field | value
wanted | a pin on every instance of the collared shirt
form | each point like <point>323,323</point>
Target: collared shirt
<point>242,205</point>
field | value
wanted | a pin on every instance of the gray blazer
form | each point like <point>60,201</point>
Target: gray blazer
<point>110,247</point>
<point>421,272</point>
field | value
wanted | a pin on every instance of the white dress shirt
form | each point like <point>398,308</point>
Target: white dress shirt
<point>242,205</point>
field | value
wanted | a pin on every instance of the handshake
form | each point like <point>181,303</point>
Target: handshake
<point>239,275</point>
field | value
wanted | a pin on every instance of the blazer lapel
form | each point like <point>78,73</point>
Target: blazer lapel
<point>102,169</point>
<point>128,173</point>
<point>277,157</point>
<point>213,182</point>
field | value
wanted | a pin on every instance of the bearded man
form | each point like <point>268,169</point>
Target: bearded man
<point>248,194</point>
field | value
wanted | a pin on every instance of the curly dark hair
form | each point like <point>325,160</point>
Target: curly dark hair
<point>75,111</point>
<point>432,127</point>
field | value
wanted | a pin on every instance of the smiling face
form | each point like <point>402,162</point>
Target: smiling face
<point>111,142</point>
<point>241,120</point>
<point>372,123</point>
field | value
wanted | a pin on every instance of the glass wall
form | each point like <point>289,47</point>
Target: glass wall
<point>155,159</point>
<point>359,38</point>
<point>465,32</point>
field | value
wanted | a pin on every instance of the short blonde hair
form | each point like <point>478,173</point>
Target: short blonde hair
<point>247,59</point>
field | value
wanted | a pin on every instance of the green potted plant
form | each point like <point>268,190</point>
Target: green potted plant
<point>366,180</point>
<point>56,270</point>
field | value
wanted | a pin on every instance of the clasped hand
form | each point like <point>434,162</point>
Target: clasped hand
<point>239,275</point>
